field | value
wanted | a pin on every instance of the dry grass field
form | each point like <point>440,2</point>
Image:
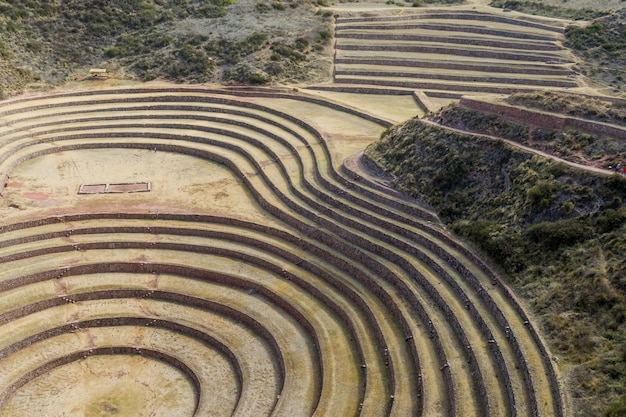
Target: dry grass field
<point>265,271</point>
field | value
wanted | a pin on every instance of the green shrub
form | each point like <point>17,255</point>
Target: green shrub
<point>276,5</point>
<point>5,52</point>
<point>257,78</point>
<point>611,219</point>
<point>568,207</point>
<point>34,46</point>
<point>274,68</point>
<point>617,409</point>
<point>564,232</point>
<point>582,38</point>
<point>231,52</point>
<point>211,11</point>
<point>254,42</point>
<point>542,194</point>
<point>503,247</point>
<point>112,52</point>
<point>301,44</point>
<point>615,185</point>
<point>324,36</point>
<point>283,50</point>
<point>244,74</point>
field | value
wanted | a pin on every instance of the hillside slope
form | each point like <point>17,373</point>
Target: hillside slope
<point>48,43</point>
<point>557,233</point>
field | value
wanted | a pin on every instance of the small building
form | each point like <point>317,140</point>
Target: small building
<point>98,72</point>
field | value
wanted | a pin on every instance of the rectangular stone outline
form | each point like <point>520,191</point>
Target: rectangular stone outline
<point>115,188</point>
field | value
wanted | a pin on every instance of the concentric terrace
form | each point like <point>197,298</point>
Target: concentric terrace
<point>201,251</point>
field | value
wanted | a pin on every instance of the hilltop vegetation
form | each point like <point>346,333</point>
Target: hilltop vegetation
<point>48,42</point>
<point>549,10</point>
<point>558,235</point>
<point>601,46</point>
<point>572,105</point>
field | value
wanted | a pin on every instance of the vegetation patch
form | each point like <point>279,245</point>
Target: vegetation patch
<point>549,10</point>
<point>601,46</point>
<point>572,105</point>
<point>488,124</point>
<point>57,41</point>
<point>572,145</point>
<point>558,235</point>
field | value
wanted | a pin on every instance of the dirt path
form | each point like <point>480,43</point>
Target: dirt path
<point>584,167</point>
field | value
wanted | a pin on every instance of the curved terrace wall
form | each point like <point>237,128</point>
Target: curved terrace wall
<point>345,223</point>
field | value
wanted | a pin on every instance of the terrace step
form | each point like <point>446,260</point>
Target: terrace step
<point>353,235</point>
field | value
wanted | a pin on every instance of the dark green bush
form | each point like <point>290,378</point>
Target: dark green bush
<point>503,247</point>
<point>274,68</point>
<point>542,194</point>
<point>34,46</point>
<point>617,409</point>
<point>5,52</point>
<point>245,75</point>
<point>231,52</point>
<point>276,5</point>
<point>211,11</point>
<point>257,78</point>
<point>564,232</point>
<point>301,44</point>
<point>112,52</point>
<point>582,38</point>
<point>611,219</point>
<point>324,36</point>
<point>283,50</point>
<point>254,42</point>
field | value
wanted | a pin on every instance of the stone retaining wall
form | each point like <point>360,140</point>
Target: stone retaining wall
<point>416,85</point>
<point>458,51</point>
<point>471,16</point>
<point>447,28</point>
<point>529,45</point>
<point>539,119</point>
<point>487,78</point>
<point>511,69</point>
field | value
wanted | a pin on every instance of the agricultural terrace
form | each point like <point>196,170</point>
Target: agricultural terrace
<point>448,53</point>
<point>197,251</point>
<point>257,272</point>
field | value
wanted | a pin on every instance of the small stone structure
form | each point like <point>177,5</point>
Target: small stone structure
<point>98,73</point>
<point>115,188</point>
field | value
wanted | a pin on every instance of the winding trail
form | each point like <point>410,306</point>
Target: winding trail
<point>518,145</point>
